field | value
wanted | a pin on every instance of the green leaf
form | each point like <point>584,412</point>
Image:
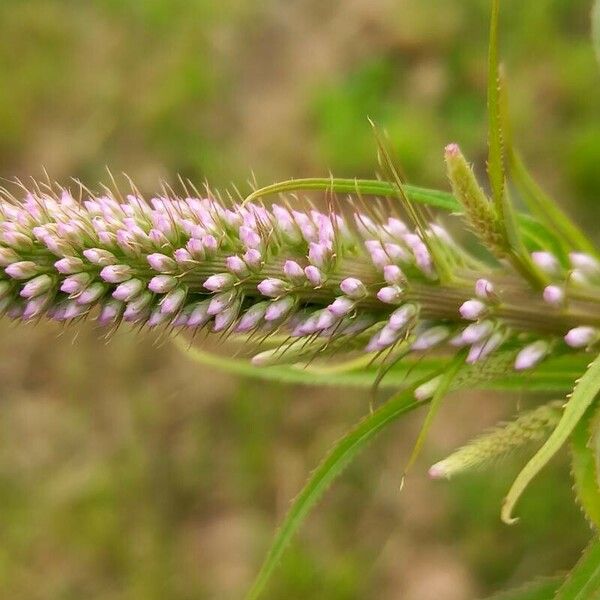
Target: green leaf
<point>583,395</point>
<point>583,583</point>
<point>584,471</point>
<point>554,375</point>
<point>546,209</point>
<point>337,459</point>
<point>596,28</point>
<point>534,234</point>
<point>440,392</point>
<point>544,589</point>
<point>495,140</point>
<point>366,187</point>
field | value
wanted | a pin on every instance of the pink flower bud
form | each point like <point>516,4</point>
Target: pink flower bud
<point>272,287</point>
<point>585,263</point>
<point>100,257</point>
<point>325,320</point>
<point>554,295</point>
<point>210,245</point>
<point>35,307</point>
<point>161,263</point>
<point>157,318</point>
<point>23,269</point>
<point>393,274</point>
<point>354,288</point>
<point>581,337</point>
<point>75,284</point>
<point>278,309</point>
<point>397,253</point>
<point>237,266</point>
<point>226,317</point>
<point>484,289</point>
<point>252,317</point>
<point>199,315</point>
<point>36,286</point>
<point>341,306</point>
<point>484,348</point>
<point>196,248</point>
<point>249,237</point>
<point>110,312</point>
<point>253,258</point>
<point>546,261</point>
<point>476,332</point>
<point>220,282</point>
<point>293,271</point>
<point>69,265</point>
<point>531,355</point>
<point>128,291</point>
<point>116,273</point>
<point>390,295</point>
<point>319,254</point>
<point>403,316</point>
<point>472,310</point>
<point>161,284</point>
<point>431,337</point>
<point>314,275</point>
<point>182,257</point>
<point>173,300</point>
<point>8,256</point>
<point>137,310</point>
<point>220,302</point>
<point>91,294</point>
<point>396,227</point>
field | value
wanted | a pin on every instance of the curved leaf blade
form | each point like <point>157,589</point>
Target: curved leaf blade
<point>596,28</point>
<point>337,459</point>
<point>555,375</point>
<point>583,395</point>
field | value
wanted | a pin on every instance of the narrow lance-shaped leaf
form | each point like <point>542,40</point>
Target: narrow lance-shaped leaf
<point>583,395</point>
<point>325,473</point>
<point>441,387</point>
<point>534,233</point>
<point>596,28</point>
<point>495,140</point>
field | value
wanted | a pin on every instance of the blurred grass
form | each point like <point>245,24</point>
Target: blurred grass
<point>127,472</point>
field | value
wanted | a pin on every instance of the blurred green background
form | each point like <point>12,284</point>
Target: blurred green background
<point>128,472</point>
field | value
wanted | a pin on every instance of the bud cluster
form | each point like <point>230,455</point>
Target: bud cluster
<point>192,263</point>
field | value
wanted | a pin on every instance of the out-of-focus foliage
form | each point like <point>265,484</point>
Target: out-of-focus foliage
<point>128,473</point>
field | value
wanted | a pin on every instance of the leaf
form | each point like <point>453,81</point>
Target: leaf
<point>533,232</point>
<point>367,187</point>
<point>495,140</point>
<point>583,583</point>
<point>583,395</point>
<point>584,471</point>
<point>596,28</point>
<point>334,463</point>
<point>440,392</point>
<point>544,589</point>
<point>546,209</point>
<point>554,375</point>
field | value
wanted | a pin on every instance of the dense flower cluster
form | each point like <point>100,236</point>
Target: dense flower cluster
<point>347,282</point>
